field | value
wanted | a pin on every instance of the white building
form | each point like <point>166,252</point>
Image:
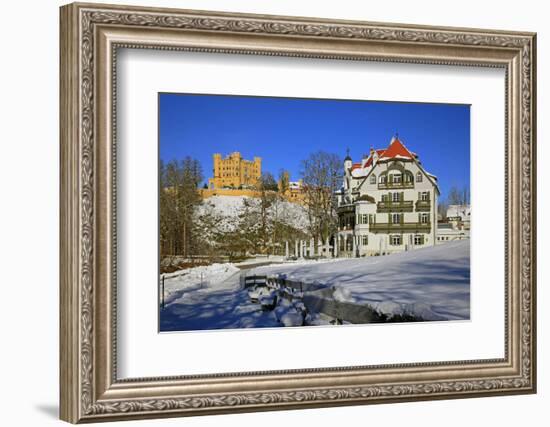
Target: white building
<point>447,233</point>
<point>459,216</point>
<point>387,203</point>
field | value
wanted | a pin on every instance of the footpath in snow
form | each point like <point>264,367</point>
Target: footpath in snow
<point>210,297</point>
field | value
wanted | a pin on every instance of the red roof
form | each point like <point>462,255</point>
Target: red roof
<point>369,160</point>
<point>397,148</point>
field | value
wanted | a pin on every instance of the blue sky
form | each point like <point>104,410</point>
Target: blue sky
<point>284,131</point>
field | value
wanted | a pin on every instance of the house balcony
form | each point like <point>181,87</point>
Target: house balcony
<point>395,185</point>
<point>345,209</point>
<point>413,227</point>
<point>423,206</point>
<point>399,206</point>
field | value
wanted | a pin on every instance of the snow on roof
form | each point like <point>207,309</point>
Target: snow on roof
<point>397,150</point>
<point>359,173</point>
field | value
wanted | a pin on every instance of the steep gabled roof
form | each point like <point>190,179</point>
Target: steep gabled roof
<point>369,160</point>
<point>397,150</point>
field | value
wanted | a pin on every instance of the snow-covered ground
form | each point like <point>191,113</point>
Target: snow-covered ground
<point>210,297</point>
<point>432,283</point>
<point>191,279</point>
<point>228,208</point>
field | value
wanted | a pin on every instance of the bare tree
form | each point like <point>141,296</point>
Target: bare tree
<point>283,181</point>
<point>179,195</point>
<point>321,174</point>
<point>459,196</point>
<point>268,197</point>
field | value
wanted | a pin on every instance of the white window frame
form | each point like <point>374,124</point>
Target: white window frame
<point>418,238</point>
<point>372,179</point>
<point>393,197</point>
<point>395,240</point>
<point>394,216</point>
<point>424,218</point>
<point>419,177</point>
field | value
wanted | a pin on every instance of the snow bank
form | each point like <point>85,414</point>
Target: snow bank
<point>196,278</point>
<point>432,283</point>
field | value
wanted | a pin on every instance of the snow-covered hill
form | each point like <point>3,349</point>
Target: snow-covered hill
<point>227,209</point>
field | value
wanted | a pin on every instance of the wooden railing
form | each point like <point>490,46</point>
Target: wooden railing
<point>406,226</point>
<point>399,206</point>
<point>423,205</point>
<point>390,185</point>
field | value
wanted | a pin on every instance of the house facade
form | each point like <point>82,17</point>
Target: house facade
<point>387,203</point>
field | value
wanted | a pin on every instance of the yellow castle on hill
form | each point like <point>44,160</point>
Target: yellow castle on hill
<point>236,176</point>
<point>234,172</point>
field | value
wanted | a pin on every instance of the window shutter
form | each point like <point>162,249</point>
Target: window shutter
<point>401,196</point>
<point>401,218</point>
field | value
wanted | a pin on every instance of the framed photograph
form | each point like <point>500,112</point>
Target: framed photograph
<point>265,213</point>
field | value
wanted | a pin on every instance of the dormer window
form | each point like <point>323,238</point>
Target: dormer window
<point>419,177</point>
<point>382,179</point>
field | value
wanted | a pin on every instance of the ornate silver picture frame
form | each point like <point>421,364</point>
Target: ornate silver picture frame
<point>91,390</point>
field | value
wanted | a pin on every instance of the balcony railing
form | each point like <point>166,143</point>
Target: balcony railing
<point>423,205</point>
<point>391,206</point>
<point>342,209</point>
<point>406,226</point>
<point>391,185</point>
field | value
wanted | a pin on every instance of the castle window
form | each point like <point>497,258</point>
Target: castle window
<point>373,179</point>
<point>395,240</point>
<point>419,177</point>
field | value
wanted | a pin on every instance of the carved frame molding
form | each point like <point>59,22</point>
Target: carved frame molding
<point>90,36</point>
